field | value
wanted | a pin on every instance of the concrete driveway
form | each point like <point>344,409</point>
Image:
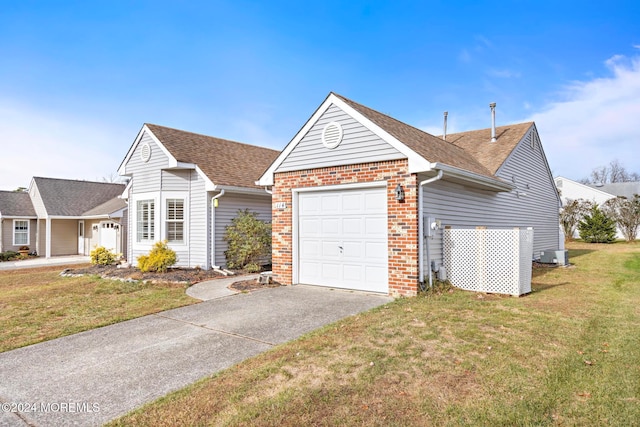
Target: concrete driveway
<point>98,375</point>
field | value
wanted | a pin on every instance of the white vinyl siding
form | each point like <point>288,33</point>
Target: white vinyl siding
<point>533,204</point>
<point>228,207</point>
<point>359,145</point>
<point>145,221</point>
<point>20,232</point>
<point>147,177</point>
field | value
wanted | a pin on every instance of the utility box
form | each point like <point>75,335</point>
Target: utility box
<point>554,256</point>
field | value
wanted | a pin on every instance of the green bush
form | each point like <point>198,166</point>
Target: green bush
<point>8,255</point>
<point>248,240</point>
<point>102,256</point>
<point>160,258</point>
<point>597,227</point>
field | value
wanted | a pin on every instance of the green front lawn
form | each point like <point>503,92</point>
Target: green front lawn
<point>567,354</point>
<point>38,305</point>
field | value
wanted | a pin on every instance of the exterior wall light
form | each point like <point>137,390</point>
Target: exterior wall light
<point>399,193</point>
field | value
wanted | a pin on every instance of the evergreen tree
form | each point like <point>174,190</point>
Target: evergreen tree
<point>597,227</point>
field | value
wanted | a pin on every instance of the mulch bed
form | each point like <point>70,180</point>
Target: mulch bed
<point>179,275</point>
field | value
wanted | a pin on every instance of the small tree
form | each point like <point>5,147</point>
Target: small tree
<point>248,240</point>
<point>597,227</point>
<point>571,214</point>
<point>626,213</point>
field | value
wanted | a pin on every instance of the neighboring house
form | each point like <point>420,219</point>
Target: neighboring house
<point>186,188</point>
<point>596,193</point>
<point>338,222</point>
<point>63,217</point>
<point>17,221</point>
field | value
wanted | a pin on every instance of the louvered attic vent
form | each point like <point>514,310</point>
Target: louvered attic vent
<point>332,135</point>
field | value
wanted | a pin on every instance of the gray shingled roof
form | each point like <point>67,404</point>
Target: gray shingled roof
<point>225,162</point>
<point>16,203</point>
<point>65,197</point>
<point>625,189</point>
<point>470,151</point>
<point>107,208</point>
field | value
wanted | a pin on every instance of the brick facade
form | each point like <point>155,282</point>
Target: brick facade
<point>402,217</point>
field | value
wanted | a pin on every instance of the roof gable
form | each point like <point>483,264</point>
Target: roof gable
<point>16,204</point>
<point>477,143</point>
<point>223,162</point>
<point>424,151</point>
<point>65,197</point>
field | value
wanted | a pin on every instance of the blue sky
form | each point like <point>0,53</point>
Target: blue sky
<point>78,79</point>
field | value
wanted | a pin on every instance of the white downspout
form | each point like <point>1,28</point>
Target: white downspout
<point>421,227</point>
<point>213,228</point>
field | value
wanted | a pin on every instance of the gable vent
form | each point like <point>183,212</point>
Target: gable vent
<point>145,152</point>
<point>332,135</point>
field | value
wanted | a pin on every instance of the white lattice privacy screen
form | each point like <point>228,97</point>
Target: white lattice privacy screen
<point>494,261</point>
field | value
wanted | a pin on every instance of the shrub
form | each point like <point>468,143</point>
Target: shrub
<point>571,213</point>
<point>248,240</point>
<point>102,256</point>
<point>597,227</point>
<point>160,258</point>
<point>8,255</point>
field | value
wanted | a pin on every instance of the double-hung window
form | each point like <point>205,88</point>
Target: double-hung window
<point>20,232</point>
<point>175,220</point>
<point>145,220</point>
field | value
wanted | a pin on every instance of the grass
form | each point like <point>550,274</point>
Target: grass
<point>567,354</point>
<point>38,305</point>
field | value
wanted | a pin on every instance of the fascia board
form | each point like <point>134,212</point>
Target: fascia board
<point>466,175</point>
<point>208,184</point>
<point>245,190</point>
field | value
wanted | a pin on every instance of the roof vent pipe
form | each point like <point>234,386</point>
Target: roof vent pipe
<point>493,121</point>
<point>444,133</point>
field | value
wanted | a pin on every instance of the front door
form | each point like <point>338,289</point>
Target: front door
<point>81,237</point>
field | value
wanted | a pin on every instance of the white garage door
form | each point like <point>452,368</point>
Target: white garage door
<point>342,238</point>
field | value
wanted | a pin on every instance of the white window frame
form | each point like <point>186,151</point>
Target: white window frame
<point>169,221</point>
<point>164,220</point>
<point>153,221</point>
<point>28,232</point>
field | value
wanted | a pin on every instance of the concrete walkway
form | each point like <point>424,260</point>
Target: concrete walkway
<point>44,262</point>
<point>92,377</point>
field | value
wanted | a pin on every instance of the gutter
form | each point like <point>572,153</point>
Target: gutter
<point>213,228</point>
<point>421,228</point>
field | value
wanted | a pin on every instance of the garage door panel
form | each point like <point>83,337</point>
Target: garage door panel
<point>375,203</point>
<point>310,205</point>
<point>330,248</point>
<point>309,249</point>
<point>342,238</point>
<point>353,249</point>
<point>330,204</point>
<point>331,271</point>
<point>352,226</point>
<point>352,203</point>
<point>310,227</point>
<point>376,226</point>
<point>330,227</point>
<point>353,273</point>
<point>376,251</point>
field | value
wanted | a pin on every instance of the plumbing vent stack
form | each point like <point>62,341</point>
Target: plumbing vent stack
<point>493,121</point>
<point>444,133</point>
